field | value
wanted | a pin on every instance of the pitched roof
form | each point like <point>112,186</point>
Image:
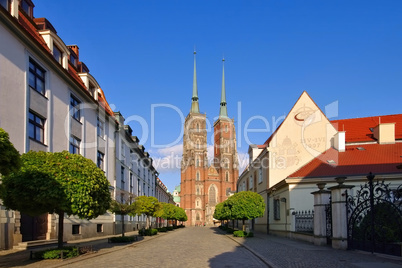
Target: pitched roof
<point>358,129</point>
<point>376,158</point>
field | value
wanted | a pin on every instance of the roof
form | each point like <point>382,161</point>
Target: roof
<point>358,129</point>
<point>375,158</point>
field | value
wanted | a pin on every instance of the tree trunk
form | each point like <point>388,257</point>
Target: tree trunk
<point>61,230</point>
<point>122,225</point>
<point>244,226</point>
<point>147,223</point>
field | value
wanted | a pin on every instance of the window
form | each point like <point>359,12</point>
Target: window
<point>197,217</point>
<point>227,176</point>
<point>5,4</point>
<point>100,128</point>
<point>99,228</point>
<point>244,185</point>
<point>76,229</point>
<point>197,176</point>
<point>57,54</point>
<point>198,190</point>
<point>100,160</point>
<point>36,77</point>
<point>36,127</point>
<point>74,108</point>
<point>131,182</point>
<point>122,178</point>
<point>73,60</point>
<point>226,128</point>
<point>74,145</point>
<point>277,209</point>
<point>27,7</point>
<point>260,175</point>
<point>250,182</point>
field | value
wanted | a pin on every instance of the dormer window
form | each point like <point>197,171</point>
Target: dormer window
<point>5,4</point>
<point>73,60</point>
<point>57,54</point>
<point>27,6</point>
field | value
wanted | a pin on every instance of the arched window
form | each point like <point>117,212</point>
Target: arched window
<point>227,176</point>
<point>212,195</point>
<point>197,176</point>
<point>197,163</point>
<point>197,217</point>
<point>198,127</point>
<point>197,190</point>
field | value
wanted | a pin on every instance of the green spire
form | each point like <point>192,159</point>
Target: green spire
<point>223,111</point>
<point>194,104</point>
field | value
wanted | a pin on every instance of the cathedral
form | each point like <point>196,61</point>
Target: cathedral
<point>205,184</point>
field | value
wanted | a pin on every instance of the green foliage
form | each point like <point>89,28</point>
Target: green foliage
<point>57,183</point>
<point>245,205</point>
<point>223,210</point>
<point>52,182</point>
<point>9,156</point>
<point>239,233</point>
<point>68,252</point>
<point>170,212</point>
<point>148,232</point>
<point>169,228</point>
<point>147,205</point>
<point>121,208</point>
<point>122,239</point>
<point>162,229</point>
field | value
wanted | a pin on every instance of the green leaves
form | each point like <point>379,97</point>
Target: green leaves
<point>9,156</point>
<point>49,182</point>
<point>244,205</point>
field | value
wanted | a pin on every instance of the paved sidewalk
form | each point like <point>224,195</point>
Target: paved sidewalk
<point>286,253</point>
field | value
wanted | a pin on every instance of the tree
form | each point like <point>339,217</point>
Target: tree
<point>223,211</point>
<point>9,156</point>
<point>122,209</point>
<point>60,183</point>
<point>147,205</point>
<point>166,211</point>
<point>246,205</point>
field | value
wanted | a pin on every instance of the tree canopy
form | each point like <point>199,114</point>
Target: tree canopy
<point>244,205</point>
<point>9,156</point>
<point>147,205</point>
<point>171,212</point>
<point>122,209</point>
<point>57,183</point>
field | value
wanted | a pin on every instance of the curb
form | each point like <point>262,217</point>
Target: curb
<point>267,262</point>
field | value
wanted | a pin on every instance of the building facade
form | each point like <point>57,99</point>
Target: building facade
<point>204,185</point>
<point>49,101</point>
<point>308,149</point>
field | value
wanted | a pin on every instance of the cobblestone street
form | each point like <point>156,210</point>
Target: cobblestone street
<point>209,247</point>
<point>188,247</point>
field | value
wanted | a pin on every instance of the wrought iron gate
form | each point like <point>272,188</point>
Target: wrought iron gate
<point>328,221</point>
<point>375,218</point>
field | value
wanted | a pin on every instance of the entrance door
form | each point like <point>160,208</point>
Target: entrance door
<point>33,228</point>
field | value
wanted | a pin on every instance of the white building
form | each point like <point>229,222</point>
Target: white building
<point>49,101</point>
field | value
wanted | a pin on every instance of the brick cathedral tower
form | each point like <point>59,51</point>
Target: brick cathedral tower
<point>203,186</point>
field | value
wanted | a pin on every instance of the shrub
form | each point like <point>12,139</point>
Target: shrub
<point>162,229</point>
<point>230,230</point>
<point>147,232</point>
<point>68,252</point>
<point>239,233</point>
<point>250,234</point>
<point>181,226</point>
<point>169,228</point>
<point>122,239</point>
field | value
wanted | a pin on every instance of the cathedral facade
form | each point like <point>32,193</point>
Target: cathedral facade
<point>206,183</point>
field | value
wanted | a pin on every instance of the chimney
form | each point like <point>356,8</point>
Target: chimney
<point>339,141</point>
<point>385,133</point>
<point>75,49</point>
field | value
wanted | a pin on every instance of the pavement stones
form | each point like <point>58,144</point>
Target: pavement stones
<point>207,247</point>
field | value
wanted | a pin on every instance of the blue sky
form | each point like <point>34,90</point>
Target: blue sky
<point>141,53</point>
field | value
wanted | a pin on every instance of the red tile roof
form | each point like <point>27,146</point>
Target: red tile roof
<point>358,129</point>
<point>376,158</point>
<point>103,102</point>
<point>30,26</point>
